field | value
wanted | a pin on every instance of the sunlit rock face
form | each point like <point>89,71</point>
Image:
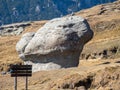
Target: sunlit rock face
<point>56,45</point>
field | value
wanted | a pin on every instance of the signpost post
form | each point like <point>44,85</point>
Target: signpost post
<point>21,71</point>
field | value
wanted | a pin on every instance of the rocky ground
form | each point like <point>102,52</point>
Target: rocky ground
<point>99,68</point>
<point>13,29</point>
<point>90,75</point>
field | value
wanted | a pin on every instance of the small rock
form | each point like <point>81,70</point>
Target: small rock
<point>13,29</point>
<point>81,88</point>
<point>3,73</point>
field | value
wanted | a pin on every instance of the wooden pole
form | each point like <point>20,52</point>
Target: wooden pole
<point>26,83</point>
<point>15,83</point>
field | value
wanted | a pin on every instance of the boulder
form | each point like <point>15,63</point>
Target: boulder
<point>57,44</point>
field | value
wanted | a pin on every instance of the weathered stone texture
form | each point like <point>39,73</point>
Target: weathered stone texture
<point>57,44</point>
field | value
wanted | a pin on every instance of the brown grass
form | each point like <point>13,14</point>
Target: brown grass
<point>35,26</point>
<point>42,80</point>
<point>106,35</point>
<point>8,54</point>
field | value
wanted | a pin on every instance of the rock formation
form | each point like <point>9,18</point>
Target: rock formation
<point>13,29</point>
<point>57,44</point>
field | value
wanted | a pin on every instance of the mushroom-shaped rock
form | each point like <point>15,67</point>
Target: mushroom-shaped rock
<point>57,44</point>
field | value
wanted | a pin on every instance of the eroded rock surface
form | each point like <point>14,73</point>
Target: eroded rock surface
<point>25,39</point>
<point>13,29</point>
<point>57,44</point>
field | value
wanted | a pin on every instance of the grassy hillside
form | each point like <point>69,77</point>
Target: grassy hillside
<point>105,22</point>
<point>100,65</point>
<point>106,27</point>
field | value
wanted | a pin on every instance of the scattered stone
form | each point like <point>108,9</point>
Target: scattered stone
<point>81,88</point>
<point>13,29</point>
<point>3,73</point>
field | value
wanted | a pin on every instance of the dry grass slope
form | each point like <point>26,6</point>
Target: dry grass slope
<point>106,28</point>
<point>105,21</point>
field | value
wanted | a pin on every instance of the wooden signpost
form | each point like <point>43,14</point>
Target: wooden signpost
<point>21,71</point>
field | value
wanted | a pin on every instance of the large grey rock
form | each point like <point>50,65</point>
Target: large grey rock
<point>57,44</point>
<point>20,47</point>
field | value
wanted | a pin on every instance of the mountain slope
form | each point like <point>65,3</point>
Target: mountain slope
<point>105,21</point>
<point>12,11</point>
<point>94,73</point>
<point>106,40</point>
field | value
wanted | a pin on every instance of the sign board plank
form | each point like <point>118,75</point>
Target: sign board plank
<point>21,75</point>
<point>21,70</point>
<point>21,67</point>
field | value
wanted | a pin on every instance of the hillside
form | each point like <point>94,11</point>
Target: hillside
<point>99,62</point>
<point>105,21</point>
<point>12,11</point>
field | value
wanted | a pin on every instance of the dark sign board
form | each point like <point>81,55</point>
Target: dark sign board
<point>21,70</point>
